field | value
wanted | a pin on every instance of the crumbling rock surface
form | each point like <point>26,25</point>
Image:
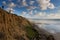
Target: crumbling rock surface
<point>13,27</point>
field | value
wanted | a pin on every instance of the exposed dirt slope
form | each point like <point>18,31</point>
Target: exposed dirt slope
<point>13,27</point>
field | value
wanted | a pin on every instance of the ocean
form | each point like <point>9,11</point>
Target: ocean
<point>51,25</point>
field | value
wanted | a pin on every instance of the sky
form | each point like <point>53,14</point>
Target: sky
<point>40,9</point>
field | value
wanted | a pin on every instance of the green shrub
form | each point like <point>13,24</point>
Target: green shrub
<point>31,33</point>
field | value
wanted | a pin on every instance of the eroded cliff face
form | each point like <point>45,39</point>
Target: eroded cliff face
<point>13,27</point>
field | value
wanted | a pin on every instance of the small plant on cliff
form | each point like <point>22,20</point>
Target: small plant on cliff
<point>31,32</point>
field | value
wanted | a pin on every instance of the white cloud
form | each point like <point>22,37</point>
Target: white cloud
<point>51,6</point>
<point>4,2</point>
<point>12,5</point>
<point>40,14</point>
<point>10,9</point>
<point>44,15</point>
<point>31,12</point>
<point>10,0</point>
<point>44,4</point>
<point>35,11</point>
<point>52,16</point>
<point>18,0</point>
<point>44,1</point>
<point>57,15</point>
<point>23,13</point>
<point>30,7</point>
<point>24,3</point>
<point>32,2</point>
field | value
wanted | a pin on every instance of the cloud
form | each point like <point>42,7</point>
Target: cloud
<point>43,7</point>
<point>10,0</point>
<point>27,14</point>
<point>44,4</point>
<point>30,7</point>
<point>51,6</point>
<point>10,9</point>
<point>21,3</point>
<point>31,12</point>
<point>23,13</point>
<point>52,16</point>
<point>40,14</point>
<point>57,15</point>
<point>48,16</point>
<point>4,2</point>
<point>44,15</point>
<point>35,11</point>
<point>24,3</point>
<point>32,2</point>
<point>44,1</point>
<point>11,5</point>
<point>18,0</point>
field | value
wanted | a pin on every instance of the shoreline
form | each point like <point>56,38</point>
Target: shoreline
<point>43,33</point>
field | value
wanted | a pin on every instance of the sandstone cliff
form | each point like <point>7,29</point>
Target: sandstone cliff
<point>13,27</point>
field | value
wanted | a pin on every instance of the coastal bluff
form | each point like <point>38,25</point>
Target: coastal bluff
<point>14,27</point>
